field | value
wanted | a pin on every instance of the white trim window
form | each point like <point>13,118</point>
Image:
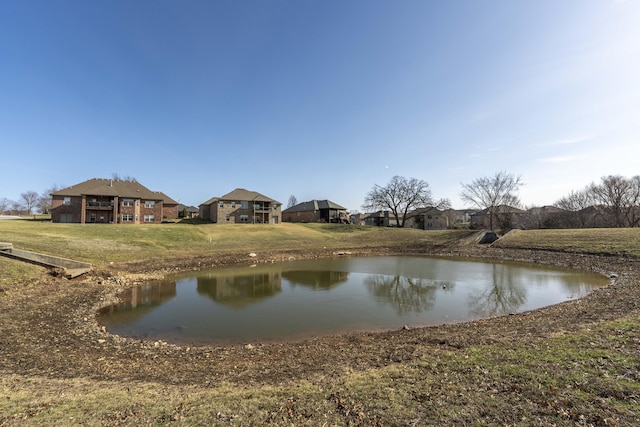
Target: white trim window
<point>127,202</point>
<point>149,218</point>
<point>67,201</point>
<point>127,217</point>
<point>149,204</point>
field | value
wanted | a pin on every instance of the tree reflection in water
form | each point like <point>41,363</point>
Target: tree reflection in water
<point>505,295</point>
<point>406,294</point>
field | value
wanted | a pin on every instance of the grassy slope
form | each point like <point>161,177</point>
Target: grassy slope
<point>592,240</point>
<point>100,244</point>
<point>588,378</point>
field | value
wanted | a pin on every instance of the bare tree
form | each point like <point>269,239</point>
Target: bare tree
<point>17,208</point>
<point>292,201</point>
<point>620,195</point>
<point>30,198</point>
<point>44,200</point>
<point>491,192</point>
<point>118,177</point>
<point>4,205</point>
<point>575,204</point>
<point>400,196</point>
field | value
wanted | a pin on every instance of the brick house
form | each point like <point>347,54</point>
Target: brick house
<point>379,219</point>
<point>241,207</point>
<point>316,211</point>
<point>504,217</point>
<point>429,218</point>
<point>111,201</point>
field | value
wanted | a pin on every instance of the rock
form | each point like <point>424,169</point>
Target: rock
<point>489,237</point>
<point>253,255</point>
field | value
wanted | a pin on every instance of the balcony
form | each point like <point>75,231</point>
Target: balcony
<point>261,209</point>
<point>100,206</point>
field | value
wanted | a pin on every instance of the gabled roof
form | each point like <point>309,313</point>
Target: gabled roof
<point>166,199</point>
<point>314,205</point>
<point>501,209</point>
<point>423,211</point>
<point>239,195</point>
<point>188,208</point>
<point>110,188</point>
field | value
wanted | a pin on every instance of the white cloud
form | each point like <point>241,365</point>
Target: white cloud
<point>566,141</point>
<point>560,159</point>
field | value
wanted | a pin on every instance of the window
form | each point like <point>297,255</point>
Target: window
<point>233,204</point>
<point>244,218</point>
<point>221,204</point>
<point>149,204</point>
<point>127,217</point>
<point>149,218</point>
<point>227,217</point>
<point>127,202</point>
<point>244,204</point>
<point>67,201</point>
<point>92,217</point>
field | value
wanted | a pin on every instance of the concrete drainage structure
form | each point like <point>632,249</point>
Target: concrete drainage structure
<point>69,267</point>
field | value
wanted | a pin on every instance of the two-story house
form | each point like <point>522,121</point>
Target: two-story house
<point>242,207</point>
<point>111,201</point>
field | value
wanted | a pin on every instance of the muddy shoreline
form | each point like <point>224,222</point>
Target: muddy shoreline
<point>49,326</point>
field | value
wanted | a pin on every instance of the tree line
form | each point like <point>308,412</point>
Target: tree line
<point>30,202</point>
<point>612,202</point>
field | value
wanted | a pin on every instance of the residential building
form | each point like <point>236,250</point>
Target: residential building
<point>380,219</point>
<point>188,212</point>
<point>429,218</point>
<point>241,207</point>
<point>316,211</point>
<point>111,201</point>
<point>504,217</point>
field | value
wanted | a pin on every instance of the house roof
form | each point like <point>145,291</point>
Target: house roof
<point>188,208</point>
<point>111,188</point>
<point>314,205</point>
<point>423,211</point>
<point>239,195</point>
<point>166,199</point>
<point>500,209</point>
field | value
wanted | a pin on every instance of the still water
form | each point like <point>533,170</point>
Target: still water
<point>298,299</point>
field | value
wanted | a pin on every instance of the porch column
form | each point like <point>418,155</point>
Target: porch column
<point>83,210</point>
<point>115,210</point>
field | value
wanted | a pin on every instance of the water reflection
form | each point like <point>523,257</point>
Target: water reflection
<point>239,291</point>
<point>320,280</point>
<point>505,294</point>
<point>303,298</point>
<point>143,298</point>
<point>406,294</point>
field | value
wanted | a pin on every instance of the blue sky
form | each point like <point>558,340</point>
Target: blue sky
<point>318,99</point>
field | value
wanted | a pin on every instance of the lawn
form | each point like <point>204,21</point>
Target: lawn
<point>611,241</point>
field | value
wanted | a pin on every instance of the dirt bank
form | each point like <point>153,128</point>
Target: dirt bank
<point>49,328</point>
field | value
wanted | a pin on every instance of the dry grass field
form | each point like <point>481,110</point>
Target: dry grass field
<point>576,363</point>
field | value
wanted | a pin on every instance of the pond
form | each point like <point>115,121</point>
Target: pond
<point>299,299</point>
